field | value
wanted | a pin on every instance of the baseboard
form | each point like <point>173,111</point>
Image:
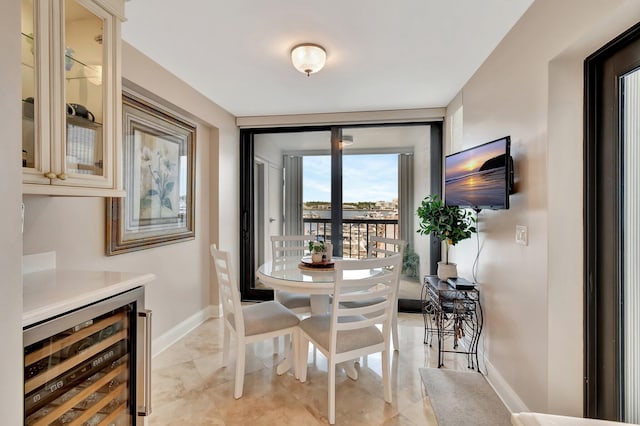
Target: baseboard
<point>164,341</point>
<point>509,397</point>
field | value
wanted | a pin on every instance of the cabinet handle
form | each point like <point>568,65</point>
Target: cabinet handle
<point>62,176</point>
<point>146,410</point>
<point>50,175</point>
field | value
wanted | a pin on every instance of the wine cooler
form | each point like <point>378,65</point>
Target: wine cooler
<point>90,366</point>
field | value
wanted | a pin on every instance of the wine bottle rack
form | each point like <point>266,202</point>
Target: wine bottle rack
<point>80,376</point>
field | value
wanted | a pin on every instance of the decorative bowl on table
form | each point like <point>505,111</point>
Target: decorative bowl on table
<point>308,261</point>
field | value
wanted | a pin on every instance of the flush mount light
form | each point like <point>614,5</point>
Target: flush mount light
<point>308,58</point>
<point>347,140</point>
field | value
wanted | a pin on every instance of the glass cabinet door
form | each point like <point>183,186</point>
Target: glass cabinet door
<point>71,97</point>
<point>34,67</point>
<point>83,51</point>
<point>28,69</point>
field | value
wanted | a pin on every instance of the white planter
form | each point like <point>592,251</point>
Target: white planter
<point>316,257</point>
<point>447,270</point>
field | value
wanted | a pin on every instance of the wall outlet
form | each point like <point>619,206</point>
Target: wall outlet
<point>522,235</point>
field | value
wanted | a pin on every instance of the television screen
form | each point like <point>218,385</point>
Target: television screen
<point>479,177</point>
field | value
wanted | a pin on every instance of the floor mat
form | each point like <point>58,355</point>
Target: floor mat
<point>463,398</point>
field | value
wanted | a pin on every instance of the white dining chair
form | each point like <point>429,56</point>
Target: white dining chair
<point>248,324</point>
<point>286,248</point>
<point>384,247</point>
<point>348,333</point>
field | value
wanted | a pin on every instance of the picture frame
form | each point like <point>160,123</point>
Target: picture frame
<point>158,166</point>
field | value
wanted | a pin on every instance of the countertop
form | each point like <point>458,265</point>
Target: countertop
<point>540,419</point>
<point>53,292</point>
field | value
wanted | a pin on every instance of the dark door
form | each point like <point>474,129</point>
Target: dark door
<point>612,190</point>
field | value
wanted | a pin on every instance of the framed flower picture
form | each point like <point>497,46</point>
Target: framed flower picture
<point>158,164</point>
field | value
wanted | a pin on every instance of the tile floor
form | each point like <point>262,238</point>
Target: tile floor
<point>191,386</point>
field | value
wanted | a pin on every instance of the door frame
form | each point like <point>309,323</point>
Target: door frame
<point>247,266</point>
<point>603,219</point>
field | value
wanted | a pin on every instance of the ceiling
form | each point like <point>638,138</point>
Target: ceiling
<point>381,54</point>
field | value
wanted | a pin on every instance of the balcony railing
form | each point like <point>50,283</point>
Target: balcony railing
<point>355,233</point>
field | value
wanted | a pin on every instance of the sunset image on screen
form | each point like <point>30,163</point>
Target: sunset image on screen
<point>476,177</point>
<point>467,162</point>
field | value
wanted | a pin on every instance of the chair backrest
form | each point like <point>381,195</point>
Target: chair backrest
<point>350,286</point>
<point>383,247</point>
<point>289,246</point>
<point>228,290</point>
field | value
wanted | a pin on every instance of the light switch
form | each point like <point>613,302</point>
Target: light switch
<point>522,235</point>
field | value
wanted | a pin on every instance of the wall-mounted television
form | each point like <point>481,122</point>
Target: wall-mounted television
<point>480,177</point>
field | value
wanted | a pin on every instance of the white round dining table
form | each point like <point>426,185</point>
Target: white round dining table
<point>288,275</point>
<point>293,276</point>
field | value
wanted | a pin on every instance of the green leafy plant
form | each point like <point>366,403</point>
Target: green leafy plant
<point>448,223</point>
<point>316,246</point>
<point>410,263</point>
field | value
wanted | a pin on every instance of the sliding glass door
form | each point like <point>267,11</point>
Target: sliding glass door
<point>339,184</point>
<point>630,95</point>
<point>279,183</point>
<point>612,231</point>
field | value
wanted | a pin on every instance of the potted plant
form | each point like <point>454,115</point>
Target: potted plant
<point>410,263</point>
<point>450,224</point>
<point>317,249</point>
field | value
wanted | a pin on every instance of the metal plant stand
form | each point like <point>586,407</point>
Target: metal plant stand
<point>452,313</point>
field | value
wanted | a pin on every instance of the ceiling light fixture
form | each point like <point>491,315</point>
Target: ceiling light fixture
<point>347,140</point>
<point>308,58</point>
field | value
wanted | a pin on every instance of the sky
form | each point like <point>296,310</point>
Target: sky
<point>465,162</point>
<point>371,177</point>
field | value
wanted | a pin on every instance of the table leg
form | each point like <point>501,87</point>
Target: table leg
<point>285,365</point>
<point>288,360</point>
<point>349,368</point>
<point>319,304</point>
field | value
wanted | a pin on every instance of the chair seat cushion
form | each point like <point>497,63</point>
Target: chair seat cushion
<point>266,317</point>
<point>317,327</point>
<point>361,303</point>
<point>293,300</point>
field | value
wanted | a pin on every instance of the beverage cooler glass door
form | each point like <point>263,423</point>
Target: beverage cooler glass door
<point>89,366</point>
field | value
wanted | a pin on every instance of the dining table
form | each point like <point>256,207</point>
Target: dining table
<point>299,275</point>
<point>292,275</point>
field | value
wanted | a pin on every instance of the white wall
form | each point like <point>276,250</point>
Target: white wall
<point>75,227</point>
<point>10,238</point>
<point>565,142</point>
<point>531,88</point>
<point>223,160</point>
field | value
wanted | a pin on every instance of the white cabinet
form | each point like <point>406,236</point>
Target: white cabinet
<point>71,97</point>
